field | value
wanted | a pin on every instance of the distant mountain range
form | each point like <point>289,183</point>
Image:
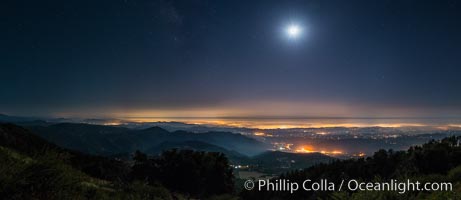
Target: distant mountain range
<point>11,119</point>
<point>118,141</point>
<point>109,140</point>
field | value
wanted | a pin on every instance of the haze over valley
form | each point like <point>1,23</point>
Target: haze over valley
<point>267,150</point>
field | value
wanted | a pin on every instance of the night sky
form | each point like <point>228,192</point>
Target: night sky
<point>199,58</point>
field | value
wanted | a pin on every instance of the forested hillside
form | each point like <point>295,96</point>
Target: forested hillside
<point>31,168</point>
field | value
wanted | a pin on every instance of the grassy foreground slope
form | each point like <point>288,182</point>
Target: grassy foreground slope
<point>31,168</point>
<point>46,176</point>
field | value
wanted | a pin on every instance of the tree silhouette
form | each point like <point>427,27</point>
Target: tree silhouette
<point>199,174</point>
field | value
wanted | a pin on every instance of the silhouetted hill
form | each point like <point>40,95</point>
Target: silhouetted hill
<point>23,141</point>
<point>233,156</point>
<point>109,140</point>
<point>14,119</point>
<point>94,139</point>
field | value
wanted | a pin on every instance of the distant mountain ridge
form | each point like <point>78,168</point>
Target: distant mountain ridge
<point>120,142</point>
<point>109,140</point>
<point>9,119</point>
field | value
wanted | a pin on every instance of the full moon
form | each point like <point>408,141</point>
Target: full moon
<point>293,31</point>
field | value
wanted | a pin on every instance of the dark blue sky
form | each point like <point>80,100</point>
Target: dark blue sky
<point>230,58</point>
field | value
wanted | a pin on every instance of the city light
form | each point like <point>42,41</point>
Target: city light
<point>304,149</point>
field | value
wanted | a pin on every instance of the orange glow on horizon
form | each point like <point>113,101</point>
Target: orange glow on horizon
<point>273,124</point>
